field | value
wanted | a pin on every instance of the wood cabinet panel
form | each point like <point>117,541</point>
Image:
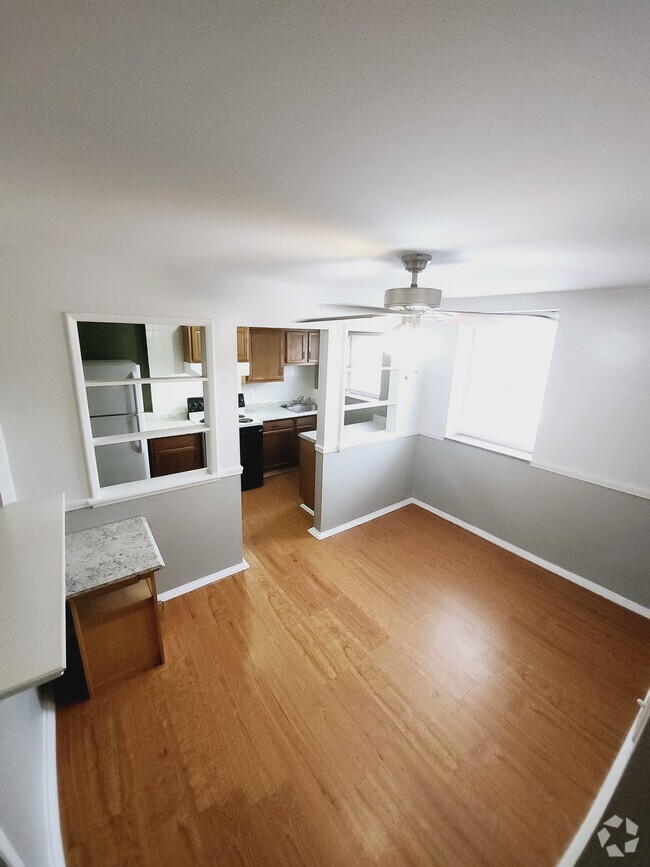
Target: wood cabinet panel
<point>301,347</point>
<point>295,343</point>
<point>307,472</point>
<point>279,446</point>
<point>192,344</point>
<point>169,455</point>
<point>313,347</point>
<point>243,344</point>
<point>306,422</point>
<point>266,355</point>
<point>118,632</point>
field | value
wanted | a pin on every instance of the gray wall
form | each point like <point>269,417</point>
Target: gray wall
<point>599,534</point>
<point>24,810</point>
<point>361,480</point>
<point>198,529</point>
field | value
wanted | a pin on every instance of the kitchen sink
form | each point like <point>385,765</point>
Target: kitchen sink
<point>303,407</point>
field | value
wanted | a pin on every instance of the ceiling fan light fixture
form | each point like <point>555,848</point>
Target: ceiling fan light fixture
<point>417,299</point>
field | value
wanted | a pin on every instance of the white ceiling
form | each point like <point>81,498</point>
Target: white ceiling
<point>316,139</point>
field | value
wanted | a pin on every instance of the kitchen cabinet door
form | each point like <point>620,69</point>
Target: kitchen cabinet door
<point>192,344</point>
<point>243,344</point>
<point>313,347</point>
<point>279,444</point>
<point>308,473</point>
<point>266,355</point>
<point>168,455</point>
<point>295,347</point>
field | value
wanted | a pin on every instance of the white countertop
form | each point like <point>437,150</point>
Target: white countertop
<point>273,412</point>
<point>32,595</point>
<point>309,435</point>
<point>108,554</point>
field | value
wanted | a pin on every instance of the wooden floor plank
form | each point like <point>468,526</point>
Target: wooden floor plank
<point>403,693</point>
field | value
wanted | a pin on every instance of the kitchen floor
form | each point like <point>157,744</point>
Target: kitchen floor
<point>402,693</point>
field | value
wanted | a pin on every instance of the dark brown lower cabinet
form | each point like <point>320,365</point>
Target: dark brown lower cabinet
<point>279,444</point>
<point>307,472</point>
<point>169,455</point>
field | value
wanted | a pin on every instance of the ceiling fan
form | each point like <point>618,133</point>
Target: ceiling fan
<point>415,303</point>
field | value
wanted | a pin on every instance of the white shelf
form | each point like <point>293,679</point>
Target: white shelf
<point>191,428</point>
<point>371,367</point>
<point>149,380</point>
<point>32,594</point>
<point>367,404</point>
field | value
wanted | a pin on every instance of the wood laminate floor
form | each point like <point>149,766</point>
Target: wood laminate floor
<point>402,693</point>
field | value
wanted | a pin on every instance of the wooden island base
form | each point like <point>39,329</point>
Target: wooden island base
<point>118,631</point>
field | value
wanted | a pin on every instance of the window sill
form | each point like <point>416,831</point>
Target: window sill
<point>491,447</point>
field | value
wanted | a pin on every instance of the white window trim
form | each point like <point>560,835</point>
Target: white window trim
<point>142,487</point>
<point>351,439</point>
<point>458,381</point>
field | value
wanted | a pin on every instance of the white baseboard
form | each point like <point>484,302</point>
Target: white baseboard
<point>203,582</point>
<point>8,854</point>
<point>57,858</point>
<point>613,778</point>
<point>545,564</point>
<point>307,509</point>
<point>325,534</point>
<point>520,552</point>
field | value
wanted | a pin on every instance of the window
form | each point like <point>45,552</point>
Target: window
<point>135,383</point>
<point>370,396</point>
<point>500,375</point>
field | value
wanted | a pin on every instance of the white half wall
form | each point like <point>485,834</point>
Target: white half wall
<point>358,481</point>
<point>29,811</point>
<point>198,529</point>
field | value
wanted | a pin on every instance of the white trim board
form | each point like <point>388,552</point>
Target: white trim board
<point>57,858</point>
<point>598,589</point>
<point>203,582</point>
<point>8,853</point>
<point>325,534</point>
<point>7,489</point>
<point>623,601</point>
<point>613,778</point>
<point>644,493</point>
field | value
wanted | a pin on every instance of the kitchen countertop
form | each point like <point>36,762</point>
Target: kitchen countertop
<point>309,435</point>
<point>32,600</point>
<point>273,412</point>
<point>108,554</point>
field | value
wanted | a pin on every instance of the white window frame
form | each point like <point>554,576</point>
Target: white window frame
<point>346,435</point>
<point>458,387</point>
<point>143,487</point>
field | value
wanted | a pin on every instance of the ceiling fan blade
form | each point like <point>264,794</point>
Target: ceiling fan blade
<point>343,318</point>
<point>357,311</point>
<point>478,317</point>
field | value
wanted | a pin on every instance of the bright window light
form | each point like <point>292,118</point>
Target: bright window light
<point>500,378</point>
<point>366,357</point>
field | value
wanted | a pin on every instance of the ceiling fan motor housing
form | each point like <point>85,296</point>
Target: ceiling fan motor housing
<point>416,299</point>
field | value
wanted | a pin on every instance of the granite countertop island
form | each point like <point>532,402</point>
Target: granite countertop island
<point>106,555</point>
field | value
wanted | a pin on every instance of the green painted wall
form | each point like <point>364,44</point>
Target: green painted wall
<point>117,341</point>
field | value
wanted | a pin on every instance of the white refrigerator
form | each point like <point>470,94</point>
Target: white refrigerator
<point>117,409</point>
